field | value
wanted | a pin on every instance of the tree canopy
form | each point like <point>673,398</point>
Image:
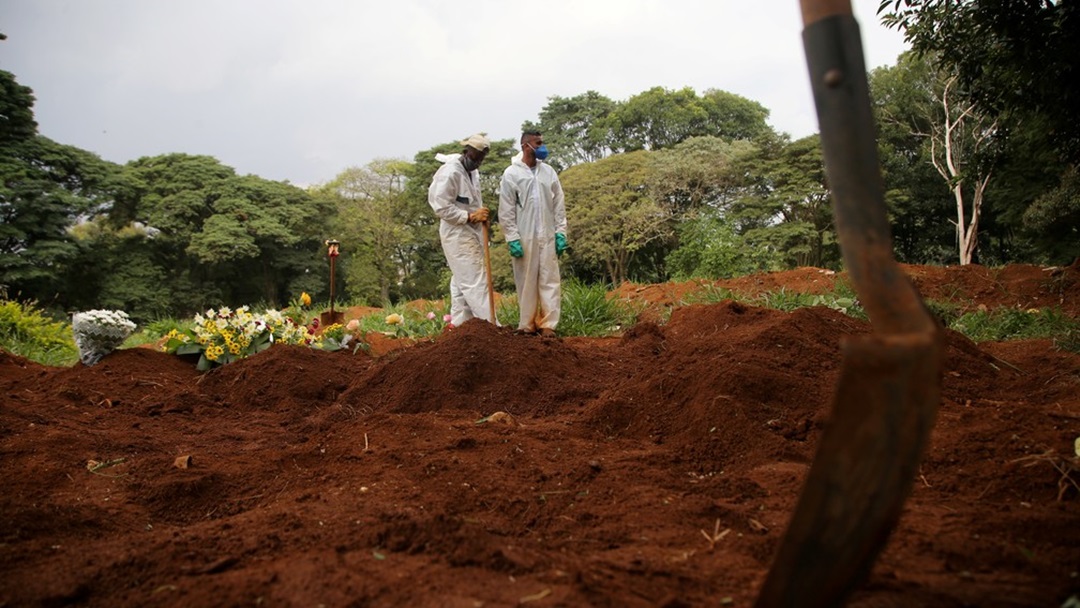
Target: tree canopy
<point>589,127</point>
<point>1016,58</point>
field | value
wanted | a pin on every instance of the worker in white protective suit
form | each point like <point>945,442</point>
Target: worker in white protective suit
<point>454,194</point>
<point>532,213</point>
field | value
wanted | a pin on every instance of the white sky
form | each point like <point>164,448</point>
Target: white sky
<point>302,89</point>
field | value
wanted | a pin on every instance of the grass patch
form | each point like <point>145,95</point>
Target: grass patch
<point>842,298</point>
<point>708,294</point>
<point>588,311</point>
<point>154,331</point>
<point>507,311</point>
<point>785,300</point>
<point>946,313</point>
<point>416,323</point>
<point>1015,324</point>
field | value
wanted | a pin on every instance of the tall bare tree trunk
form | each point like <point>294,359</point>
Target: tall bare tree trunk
<point>956,166</point>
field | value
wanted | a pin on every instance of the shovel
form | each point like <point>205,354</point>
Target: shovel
<point>890,381</point>
<point>487,268</point>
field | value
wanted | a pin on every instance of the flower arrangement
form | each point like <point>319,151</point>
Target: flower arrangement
<point>298,310</point>
<point>335,337</point>
<point>99,332</point>
<point>224,335</point>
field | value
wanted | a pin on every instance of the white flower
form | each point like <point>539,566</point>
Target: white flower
<point>98,333</point>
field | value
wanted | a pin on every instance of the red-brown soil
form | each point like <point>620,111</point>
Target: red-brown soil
<point>335,479</point>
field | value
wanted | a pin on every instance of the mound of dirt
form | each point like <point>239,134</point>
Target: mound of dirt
<point>485,468</point>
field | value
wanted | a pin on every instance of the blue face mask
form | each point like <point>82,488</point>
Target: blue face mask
<point>540,153</point>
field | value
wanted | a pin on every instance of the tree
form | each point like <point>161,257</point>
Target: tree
<point>787,210</point>
<point>694,180</point>
<point>612,214</point>
<point>371,226</point>
<point>656,119</point>
<point>1055,217</point>
<point>573,128</point>
<point>955,134</point>
<point>16,110</point>
<point>698,172</point>
<point>918,205</point>
<point>45,189</point>
<point>113,271</point>
<point>224,238</point>
<point>732,116</point>
<point>1016,59</point>
<point>955,143</point>
<point>660,118</point>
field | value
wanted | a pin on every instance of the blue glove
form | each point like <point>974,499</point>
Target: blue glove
<point>515,249</point>
<point>560,243</point>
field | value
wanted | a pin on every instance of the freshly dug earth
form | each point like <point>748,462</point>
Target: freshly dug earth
<point>658,468</point>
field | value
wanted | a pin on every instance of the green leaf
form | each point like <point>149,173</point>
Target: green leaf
<point>189,348</point>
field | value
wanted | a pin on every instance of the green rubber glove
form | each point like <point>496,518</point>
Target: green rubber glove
<point>560,243</point>
<point>515,249</point>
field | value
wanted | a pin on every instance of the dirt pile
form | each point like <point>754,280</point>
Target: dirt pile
<point>350,480</point>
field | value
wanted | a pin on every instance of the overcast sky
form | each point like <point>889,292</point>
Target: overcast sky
<point>299,90</point>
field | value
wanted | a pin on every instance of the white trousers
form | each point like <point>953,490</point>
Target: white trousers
<point>469,295</point>
<point>539,287</point>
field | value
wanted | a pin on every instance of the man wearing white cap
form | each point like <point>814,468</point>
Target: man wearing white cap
<point>454,194</point>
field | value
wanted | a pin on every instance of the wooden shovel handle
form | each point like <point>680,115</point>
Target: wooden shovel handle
<point>487,268</point>
<point>815,10</point>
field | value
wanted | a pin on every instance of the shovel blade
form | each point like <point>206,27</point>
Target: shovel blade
<point>883,412</point>
<point>329,318</point>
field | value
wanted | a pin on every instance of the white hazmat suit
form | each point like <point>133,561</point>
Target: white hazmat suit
<point>454,194</point>
<point>532,209</point>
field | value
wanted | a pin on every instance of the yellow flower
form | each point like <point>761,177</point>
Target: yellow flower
<point>305,299</point>
<point>394,319</point>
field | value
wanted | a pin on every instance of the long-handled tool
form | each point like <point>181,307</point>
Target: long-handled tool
<point>327,319</point>
<point>890,381</point>
<point>487,269</point>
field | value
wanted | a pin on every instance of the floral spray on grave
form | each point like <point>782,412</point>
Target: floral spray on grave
<point>99,332</point>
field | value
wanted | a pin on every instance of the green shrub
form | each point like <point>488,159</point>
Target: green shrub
<point>27,332</point>
<point>588,311</point>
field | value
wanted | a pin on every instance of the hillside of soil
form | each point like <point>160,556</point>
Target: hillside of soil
<point>607,475</point>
